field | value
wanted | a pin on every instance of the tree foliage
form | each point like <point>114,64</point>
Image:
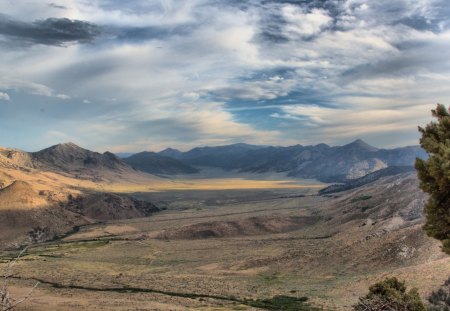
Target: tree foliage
<point>434,175</point>
<point>390,295</point>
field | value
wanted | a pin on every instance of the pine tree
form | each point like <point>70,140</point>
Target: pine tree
<point>434,175</point>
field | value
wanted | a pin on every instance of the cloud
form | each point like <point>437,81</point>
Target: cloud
<point>51,31</point>
<point>57,6</point>
<point>4,96</point>
<point>343,124</point>
<point>305,24</point>
<point>271,88</point>
<point>186,73</point>
<point>8,83</point>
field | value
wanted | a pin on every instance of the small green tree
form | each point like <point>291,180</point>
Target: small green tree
<point>434,175</point>
<point>390,295</point>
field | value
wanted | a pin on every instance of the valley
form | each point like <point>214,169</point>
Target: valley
<point>203,254</point>
<point>103,235</point>
<point>204,155</point>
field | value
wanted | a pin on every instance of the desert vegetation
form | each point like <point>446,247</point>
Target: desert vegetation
<point>390,294</point>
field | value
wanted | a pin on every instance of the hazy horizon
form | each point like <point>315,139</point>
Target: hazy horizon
<point>202,146</point>
<point>147,75</point>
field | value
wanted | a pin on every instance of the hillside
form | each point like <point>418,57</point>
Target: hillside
<point>371,177</point>
<point>20,195</point>
<point>154,163</point>
<point>47,193</point>
<point>110,206</point>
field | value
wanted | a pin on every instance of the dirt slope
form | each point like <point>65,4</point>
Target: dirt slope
<point>244,227</point>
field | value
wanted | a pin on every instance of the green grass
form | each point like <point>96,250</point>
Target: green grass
<point>361,198</point>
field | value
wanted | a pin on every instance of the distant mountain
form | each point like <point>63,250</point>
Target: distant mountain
<point>122,155</point>
<point>69,157</point>
<point>173,153</point>
<point>221,156</point>
<point>154,163</point>
<point>322,162</point>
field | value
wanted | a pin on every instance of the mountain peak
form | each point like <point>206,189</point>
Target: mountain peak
<point>361,144</point>
<point>69,144</point>
<point>64,146</point>
<point>170,150</point>
<point>71,157</point>
<point>172,153</point>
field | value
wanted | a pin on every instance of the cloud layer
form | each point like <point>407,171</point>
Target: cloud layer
<point>135,75</point>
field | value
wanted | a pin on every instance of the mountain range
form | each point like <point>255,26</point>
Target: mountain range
<point>322,162</point>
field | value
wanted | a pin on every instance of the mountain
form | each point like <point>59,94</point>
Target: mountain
<point>322,162</point>
<point>122,155</point>
<point>172,153</point>
<point>12,158</point>
<point>70,157</point>
<point>221,156</point>
<point>47,193</point>
<point>155,163</point>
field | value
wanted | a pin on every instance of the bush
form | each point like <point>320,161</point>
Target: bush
<point>440,299</point>
<point>390,295</point>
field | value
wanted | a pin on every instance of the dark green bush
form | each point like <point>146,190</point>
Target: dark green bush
<point>390,295</point>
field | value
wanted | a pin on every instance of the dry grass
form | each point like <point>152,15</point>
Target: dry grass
<point>333,260</point>
<point>330,261</point>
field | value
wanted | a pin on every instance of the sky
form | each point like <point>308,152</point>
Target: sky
<point>128,76</point>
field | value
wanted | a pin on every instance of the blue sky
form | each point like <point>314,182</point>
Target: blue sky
<point>145,75</point>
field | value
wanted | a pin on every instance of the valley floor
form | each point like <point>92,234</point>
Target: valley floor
<point>215,252</point>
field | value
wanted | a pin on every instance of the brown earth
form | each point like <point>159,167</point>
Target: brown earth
<point>248,226</point>
<point>329,249</point>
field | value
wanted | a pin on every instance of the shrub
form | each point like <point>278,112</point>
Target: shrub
<point>390,295</point>
<point>440,299</point>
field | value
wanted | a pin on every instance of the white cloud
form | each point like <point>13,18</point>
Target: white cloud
<point>304,24</point>
<point>62,96</point>
<point>369,64</point>
<point>4,96</point>
<point>8,83</point>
